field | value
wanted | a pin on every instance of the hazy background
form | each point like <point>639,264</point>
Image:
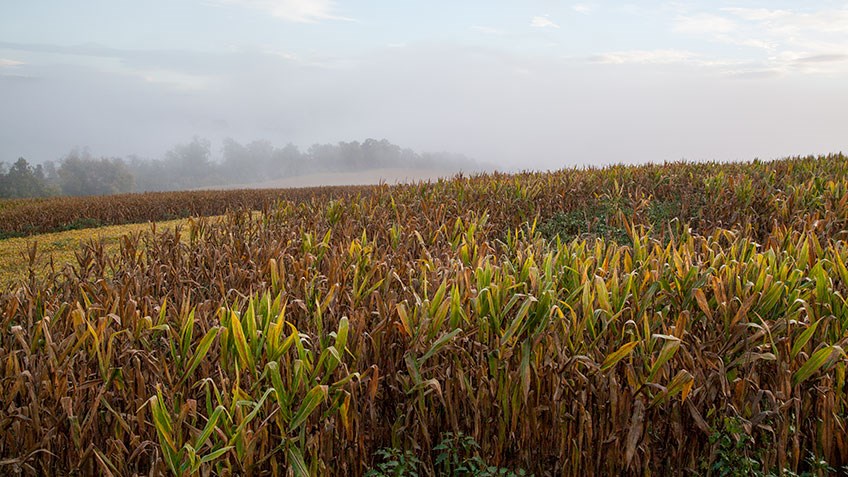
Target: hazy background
<point>519,84</point>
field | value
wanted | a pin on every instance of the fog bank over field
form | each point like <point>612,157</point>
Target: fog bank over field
<point>390,176</point>
<point>255,164</point>
<point>511,111</point>
<point>521,85</point>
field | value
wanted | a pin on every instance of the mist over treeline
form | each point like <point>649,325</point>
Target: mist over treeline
<point>192,165</point>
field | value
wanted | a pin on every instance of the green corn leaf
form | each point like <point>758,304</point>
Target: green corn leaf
<point>299,370</point>
<point>290,340</point>
<point>841,268</point>
<point>256,408</point>
<point>517,322</point>
<point>164,429</point>
<point>668,350</point>
<point>602,294</point>
<point>161,419</point>
<point>413,368</point>
<point>186,335</point>
<point>202,350</point>
<point>210,426</point>
<point>334,359</point>
<point>682,383</point>
<point>242,348</point>
<point>162,310</point>
<point>341,335</point>
<point>297,463</point>
<point>311,401</point>
<point>618,355</point>
<point>373,288</point>
<point>341,382</point>
<point>214,454</point>
<point>280,391</point>
<point>524,369</point>
<point>803,339</point>
<point>330,358</point>
<point>404,319</point>
<point>586,299</point>
<point>438,345</point>
<point>438,298</point>
<point>816,361</point>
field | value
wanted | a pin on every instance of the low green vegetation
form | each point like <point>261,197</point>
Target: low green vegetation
<point>456,454</point>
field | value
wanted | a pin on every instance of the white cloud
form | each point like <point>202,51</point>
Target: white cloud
<point>647,57</point>
<point>722,30</point>
<point>822,58</point>
<point>788,21</point>
<point>583,8</point>
<point>542,22</point>
<point>301,11</point>
<point>754,14</point>
<point>281,54</point>
<point>786,39</point>
<point>6,63</point>
<point>704,24</point>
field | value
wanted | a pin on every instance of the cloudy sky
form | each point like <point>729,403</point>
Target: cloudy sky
<point>518,83</point>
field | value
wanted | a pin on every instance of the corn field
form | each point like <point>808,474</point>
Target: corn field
<point>23,217</point>
<point>676,319</point>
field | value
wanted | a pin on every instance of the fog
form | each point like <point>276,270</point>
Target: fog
<point>512,109</point>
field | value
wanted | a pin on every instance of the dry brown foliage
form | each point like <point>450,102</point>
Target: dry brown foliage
<point>301,340</point>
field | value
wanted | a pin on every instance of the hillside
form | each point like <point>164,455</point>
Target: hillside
<point>390,176</point>
<point>668,319</point>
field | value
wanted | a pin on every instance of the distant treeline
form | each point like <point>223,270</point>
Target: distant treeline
<point>191,165</point>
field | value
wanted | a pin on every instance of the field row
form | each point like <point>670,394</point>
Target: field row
<point>25,217</point>
<point>705,196</point>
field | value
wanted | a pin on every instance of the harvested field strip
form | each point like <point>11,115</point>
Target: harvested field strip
<point>59,248</point>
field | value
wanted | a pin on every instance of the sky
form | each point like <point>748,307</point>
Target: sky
<point>522,84</point>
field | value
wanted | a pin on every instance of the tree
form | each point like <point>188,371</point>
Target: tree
<point>190,163</point>
<point>287,161</point>
<point>23,180</point>
<point>84,175</point>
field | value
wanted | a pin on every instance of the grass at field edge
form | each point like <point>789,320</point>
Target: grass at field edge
<point>60,247</point>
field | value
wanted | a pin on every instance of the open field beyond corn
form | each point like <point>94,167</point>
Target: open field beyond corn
<point>52,251</point>
<point>26,217</point>
<point>677,319</point>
